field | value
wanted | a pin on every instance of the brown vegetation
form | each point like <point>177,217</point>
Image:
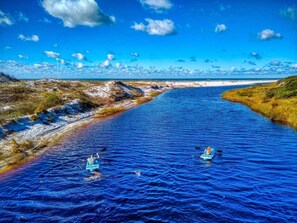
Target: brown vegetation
<point>277,101</point>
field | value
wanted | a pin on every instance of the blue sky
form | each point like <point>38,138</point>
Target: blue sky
<point>148,38</point>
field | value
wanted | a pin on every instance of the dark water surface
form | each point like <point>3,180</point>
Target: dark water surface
<point>153,173</point>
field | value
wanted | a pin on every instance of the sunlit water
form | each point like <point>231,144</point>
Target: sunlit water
<point>152,171</point>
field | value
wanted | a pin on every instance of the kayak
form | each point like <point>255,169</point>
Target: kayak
<point>210,156</point>
<point>93,167</point>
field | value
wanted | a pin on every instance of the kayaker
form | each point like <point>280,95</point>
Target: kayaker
<point>208,151</point>
<point>91,160</point>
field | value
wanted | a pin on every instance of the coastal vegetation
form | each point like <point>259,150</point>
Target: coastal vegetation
<point>109,111</point>
<point>20,98</point>
<point>276,101</point>
<point>155,93</point>
<point>32,97</point>
<point>143,100</point>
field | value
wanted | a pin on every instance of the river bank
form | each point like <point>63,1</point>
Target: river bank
<point>276,101</point>
<point>27,137</point>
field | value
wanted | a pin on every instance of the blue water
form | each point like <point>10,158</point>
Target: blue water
<point>152,172</point>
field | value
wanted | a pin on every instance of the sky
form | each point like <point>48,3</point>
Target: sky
<point>148,38</point>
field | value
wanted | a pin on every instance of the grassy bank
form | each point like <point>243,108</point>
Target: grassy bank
<point>276,101</point>
<point>32,97</point>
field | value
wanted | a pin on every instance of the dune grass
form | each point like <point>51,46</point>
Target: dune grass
<point>143,100</point>
<point>155,93</point>
<point>23,99</point>
<point>276,101</point>
<point>110,111</point>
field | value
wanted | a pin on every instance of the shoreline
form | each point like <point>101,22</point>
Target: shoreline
<point>50,137</point>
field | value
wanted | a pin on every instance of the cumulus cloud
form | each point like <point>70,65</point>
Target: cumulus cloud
<point>62,61</point>
<point>220,28</point>
<point>294,66</point>
<point>118,65</point>
<point>33,38</point>
<point>157,5</point>
<point>110,57</point>
<point>256,55</point>
<point>156,27</point>
<point>275,63</point>
<point>78,56</point>
<point>80,65</point>
<point>5,19</point>
<point>23,57</point>
<point>267,34</point>
<point>51,54</point>
<point>77,12</point>
<point>289,12</point>
<point>106,64</point>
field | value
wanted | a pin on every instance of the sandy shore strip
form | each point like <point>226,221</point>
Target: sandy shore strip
<point>44,136</point>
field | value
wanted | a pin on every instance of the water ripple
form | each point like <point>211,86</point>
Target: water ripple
<point>152,171</point>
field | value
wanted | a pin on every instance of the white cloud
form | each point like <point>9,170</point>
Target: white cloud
<point>51,54</point>
<point>157,5</point>
<point>7,48</point>
<point>294,66</point>
<point>22,17</point>
<point>5,19</point>
<point>106,64</point>
<point>118,65</point>
<point>78,12</point>
<point>220,28</point>
<point>33,38</point>
<point>80,65</point>
<point>290,13</point>
<point>63,62</point>
<point>135,54</point>
<point>156,27</point>
<point>110,57</point>
<point>267,34</point>
<point>78,56</point>
<point>256,55</point>
<point>23,57</point>
<point>45,20</point>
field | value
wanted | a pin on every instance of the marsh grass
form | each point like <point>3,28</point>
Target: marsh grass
<point>155,94</point>
<point>277,101</point>
<point>143,100</point>
<point>104,112</point>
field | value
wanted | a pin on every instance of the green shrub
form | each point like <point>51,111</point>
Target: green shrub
<point>50,100</point>
<point>286,88</point>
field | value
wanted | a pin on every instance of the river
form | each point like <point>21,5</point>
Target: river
<point>152,171</point>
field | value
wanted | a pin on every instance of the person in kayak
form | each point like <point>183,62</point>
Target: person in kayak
<point>208,151</point>
<point>91,160</point>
